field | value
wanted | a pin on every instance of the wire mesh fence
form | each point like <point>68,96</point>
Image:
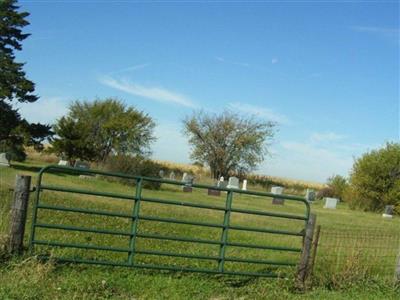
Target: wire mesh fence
<point>357,253</point>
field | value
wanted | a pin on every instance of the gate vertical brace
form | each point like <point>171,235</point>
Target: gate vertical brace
<point>34,212</point>
<point>224,236</point>
<point>303,267</point>
<point>135,220</point>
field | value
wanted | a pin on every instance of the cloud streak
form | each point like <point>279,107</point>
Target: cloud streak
<point>392,33</point>
<point>154,93</point>
<point>261,112</point>
<point>326,137</point>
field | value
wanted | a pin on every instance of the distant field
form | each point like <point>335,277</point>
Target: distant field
<point>334,276</point>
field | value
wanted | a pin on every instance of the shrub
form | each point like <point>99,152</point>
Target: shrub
<point>375,179</point>
<point>338,184</point>
<point>326,192</point>
<point>134,166</point>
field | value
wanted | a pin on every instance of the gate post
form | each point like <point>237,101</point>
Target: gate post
<point>303,267</point>
<point>18,212</point>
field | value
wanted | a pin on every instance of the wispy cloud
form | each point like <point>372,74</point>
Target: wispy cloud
<point>274,61</point>
<point>326,137</point>
<point>235,63</point>
<point>392,33</point>
<point>154,93</point>
<point>129,69</point>
<point>259,111</point>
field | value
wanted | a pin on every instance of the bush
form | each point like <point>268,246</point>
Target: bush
<point>375,179</point>
<point>134,166</point>
<point>338,184</point>
<point>325,192</point>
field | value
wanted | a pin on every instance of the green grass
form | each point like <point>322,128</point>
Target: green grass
<point>340,273</point>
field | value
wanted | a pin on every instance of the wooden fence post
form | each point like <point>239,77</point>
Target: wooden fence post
<point>303,268</point>
<point>18,213</point>
<point>314,250</point>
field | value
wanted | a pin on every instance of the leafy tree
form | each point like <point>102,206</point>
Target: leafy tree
<point>226,142</point>
<point>94,130</point>
<point>338,185</point>
<point>375,179</point>
<point>14,86</point>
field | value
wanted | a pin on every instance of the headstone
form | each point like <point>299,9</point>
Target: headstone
<point>161,173</point>
<point>278,190</point>
<point>233,183</point>
<point>63,163</point>
<point>310,195</point>
<point>4,162</point>
<point>244,185</point>
<point>330,202</point>
<point>388,211</point>
<point>221,178</point>
<point>188,180</point>
<point>81,165</point>
<point>172,175</point>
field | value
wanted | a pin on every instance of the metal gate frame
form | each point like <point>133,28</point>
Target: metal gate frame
<point>135,217</point>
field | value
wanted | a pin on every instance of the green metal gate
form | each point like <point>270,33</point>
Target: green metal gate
<point>135,216</point>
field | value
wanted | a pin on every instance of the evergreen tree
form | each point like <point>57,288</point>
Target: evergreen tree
<point>15,132</point>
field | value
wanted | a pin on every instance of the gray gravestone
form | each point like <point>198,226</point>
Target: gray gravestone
<point>81,165</point>
<point>388,211</point>
<point>63,163</point>
<point>233,183</point>
<point>172,175</point>
<point>278,190</point>
<point>4,162</point>
<point>188,180</point>
<point>310,195</point>
<point>161,173</point>
<point>330,202</point>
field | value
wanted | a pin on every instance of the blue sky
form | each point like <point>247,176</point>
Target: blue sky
<point>327,72</point>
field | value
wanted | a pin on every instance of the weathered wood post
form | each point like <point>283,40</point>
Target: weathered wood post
<point>314,250</point>
<point>18,212</point>
<point>302,270</point>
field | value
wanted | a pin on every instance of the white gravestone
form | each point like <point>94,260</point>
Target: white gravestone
<point>330,203</point>
<point>278,190</point>
<point>172,175</point>
<point>4,160</point>
<point>233,183</point>
<point>63,163</point>
<point>244,185</point>
<point>388,211</point>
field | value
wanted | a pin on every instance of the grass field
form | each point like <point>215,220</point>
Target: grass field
<point>340,273</point>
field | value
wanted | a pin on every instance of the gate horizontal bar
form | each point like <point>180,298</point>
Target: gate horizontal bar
<point>181,203</point>
<point>84,211</point>
<point>80,246</point>
<point>273,231</point>
<point>161,253</point>
<point>260,261</point>
<point>86,192</point>
<point>74,228</point>
<point>179,239</point>
<point>157,267</point>
<point>268,214</point>
<point>264,247</point>
<point>168,220</point>
<point>233,259</point>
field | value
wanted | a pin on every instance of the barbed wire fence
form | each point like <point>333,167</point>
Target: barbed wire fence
<point>357,253</point>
